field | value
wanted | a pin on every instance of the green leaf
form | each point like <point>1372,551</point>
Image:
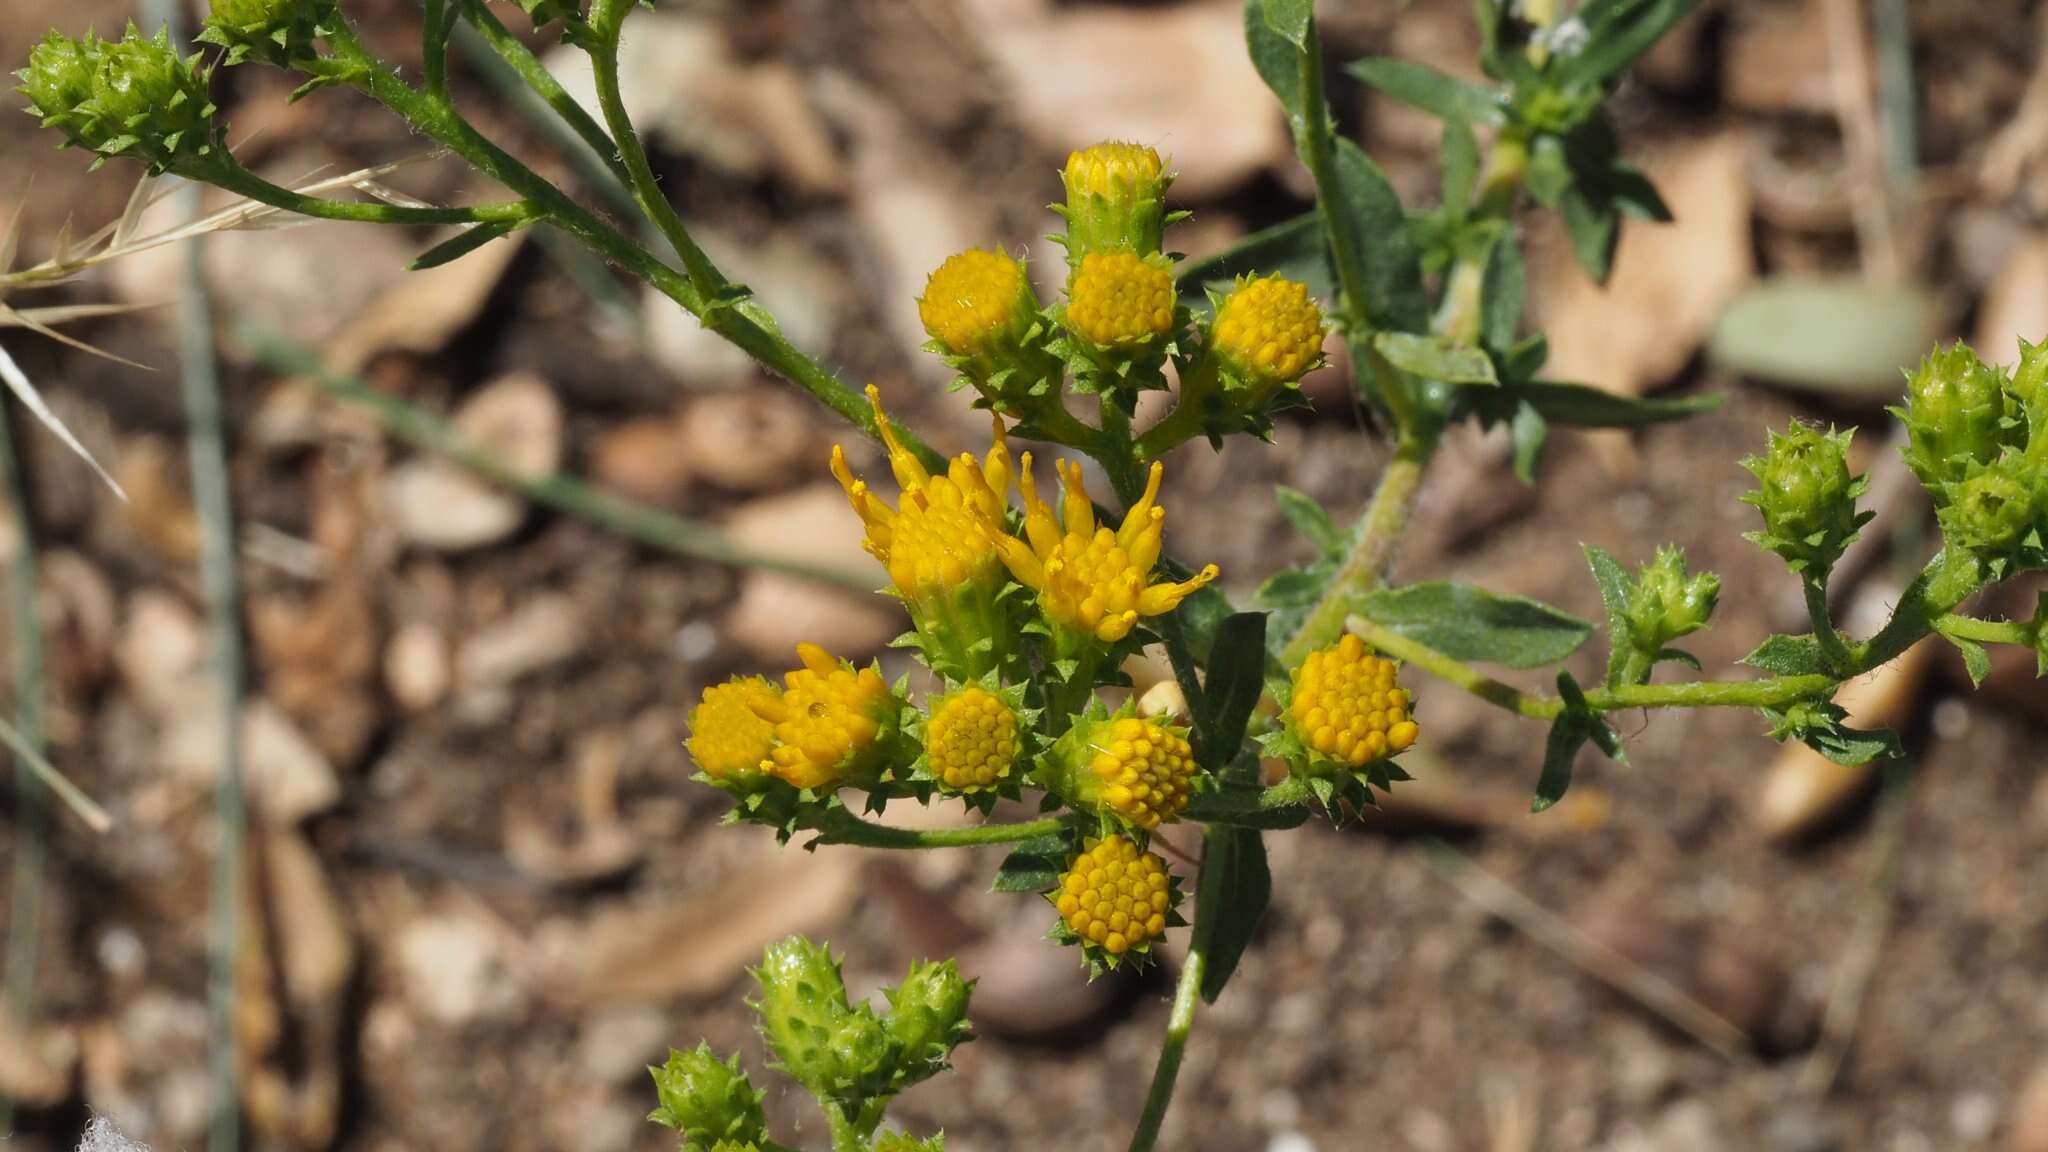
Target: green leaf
<point>1461,166</point>
<point>1230,899</point>
<point>1294,249</point>
<point>1294,588</point>
<point>1500,319</point>
<point>459,245</point>
<point>1237,677</point>
<point>1034,865</point>
<point>1527,431</point>
<point>1435,358</point>
<point>1578,406</point>
<point>1594,230</point>
<point>1312,521</point>
<point>1440,94</point>
<point>1680,656</point>
<point>1619,32</point>
<point>1291,19</point>
<point>1395,298</point>
<point>1277,61</point>
<point>1560,749</point>
<point>1468,623</point>
<point>1612,580</point>
<point>1845,745</point>
<point>1976,661</point>
<point>1837,336</point>
<point>1789,656</point>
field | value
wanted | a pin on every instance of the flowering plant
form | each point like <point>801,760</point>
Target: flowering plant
<point>1024,613</point>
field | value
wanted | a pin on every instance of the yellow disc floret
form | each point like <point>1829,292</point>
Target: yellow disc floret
<point>1347,706</point>
<point>729,739</point>
<point>1118,299</point>
<point>1089,578</point>
<point>942,533</point>
<point>1116,896</point>
<point>974,297</point>
<point>1269,331</point>
<point>1112,169</point>
<point>826,716</point>
<point>971,742</point>
<point>1142,770</point>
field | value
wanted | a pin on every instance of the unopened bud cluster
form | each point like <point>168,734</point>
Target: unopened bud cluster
<point>131,97</point>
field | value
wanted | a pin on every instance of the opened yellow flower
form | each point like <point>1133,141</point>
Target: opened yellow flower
<point>1347,706</point>
<point>1089,578</point>
<point>827,715</point>
<point>729,739</point>
<point>942,532</point>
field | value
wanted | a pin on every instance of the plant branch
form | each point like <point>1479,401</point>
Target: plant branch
<point>843,827</point>
<point>1373,549</point>
<point>1187,996</point>
<point>1833,650</point>
<point>232,177</point>
<point>1987,631</point>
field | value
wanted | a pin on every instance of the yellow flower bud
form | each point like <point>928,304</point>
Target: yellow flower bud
<point>973,298</point>
<point>1268,332</point>
<point>1116,199</point>
<point>972,740</point>
<point>1115,896</point>
<point>1347,706</point>
<point>1119,300</point>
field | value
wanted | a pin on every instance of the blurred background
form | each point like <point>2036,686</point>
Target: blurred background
<point>481,894</point>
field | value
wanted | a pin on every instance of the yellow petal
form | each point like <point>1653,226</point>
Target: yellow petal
<point>910,475</point>
<point>1161,598</point>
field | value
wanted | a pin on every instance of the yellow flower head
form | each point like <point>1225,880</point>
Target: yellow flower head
<point>729,739</point>
<point>971,742</point>
<point>1116,200</point>
<point>1268,331</point>
<point>1347,706</point>
<point>826,716</point>
<point>942,533</point>
<point>1089,578</point>
<point>1116,896</point>
<point>1120,300</point>
<point>1113,168</point>
<point>1140,769</point>
<point>975,297</point>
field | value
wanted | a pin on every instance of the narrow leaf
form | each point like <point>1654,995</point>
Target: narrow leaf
<point>1311,520</point>
<point>1291,19</point>
<point>1579,406</point>
<point>1619,34</point>
<point>1294,249</point>
<point>1976,660</point>
<point>1560,749</point>
<point>459,245</point>
<point>1237,676</point>
<point>1230,900</point>
<point>1789,656</point>
<point>1395,298</point>
<point>1612,580</point>
<point>1438,93</point>
<point>1468,623</point>
<point>1436,358</point>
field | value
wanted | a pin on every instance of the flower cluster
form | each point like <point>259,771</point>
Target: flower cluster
<point>129,97</point>
<point>1025,602</point>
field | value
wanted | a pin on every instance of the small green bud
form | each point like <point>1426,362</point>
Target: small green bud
<point>803,1000</point>
<point>1807,497</point>
<point>1116,200</point>
<point>708,1100</point>
<point>128,97</point>
<point>1996,515</point>
<point>58,83</point>
<point>861,1060</point>
<point>1954,416</point>
<point>280,32</point>
<point>927,1019</point>
<point>1667,603</point>
<point>546,12</point>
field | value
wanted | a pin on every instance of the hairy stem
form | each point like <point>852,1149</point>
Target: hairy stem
<point>242,182</point>
<point>1832,649</point>
<point>1187,996</point>
<point>1372,550</point>
<point>843,827</point>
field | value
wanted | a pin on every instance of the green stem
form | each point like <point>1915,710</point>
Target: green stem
<point>1987,631</point>
<point>1187,996</point>
<point>607,21</point>
<point>846,1135</point>
<point>1832,649</point>
<point>742,324</point>
<point>234,178</point>
<point>608,175</point>
<point>843,827</point>
<point>1372,551</point>
<point>650,526</point>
